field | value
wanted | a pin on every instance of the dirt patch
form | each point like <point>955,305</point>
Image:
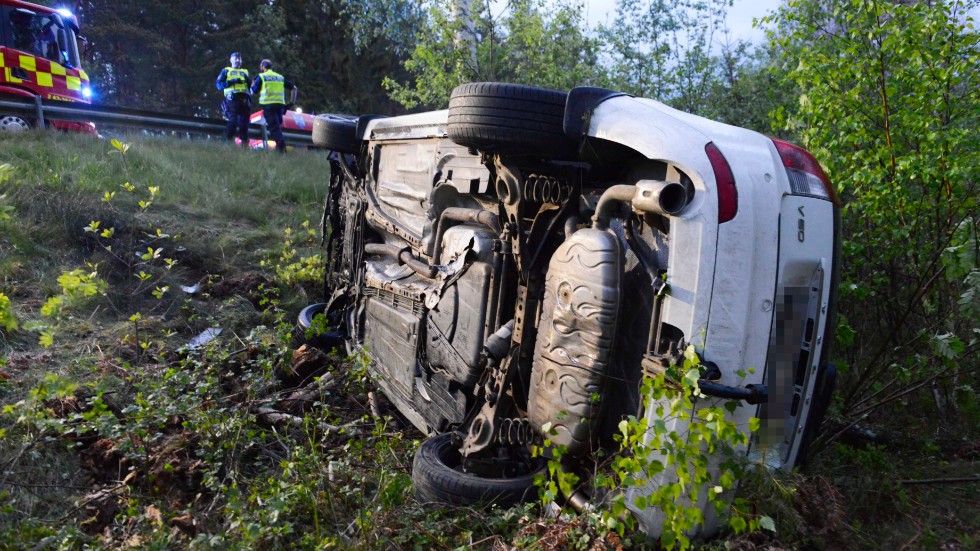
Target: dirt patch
<point>166,467</point>
<point>63,407</point>
<point>25,362</point>
<point>104,461</point>
<point>821,507</point>
<point>307,362</point>
<point>560,534</point>
<point>173,471</point>
<point>100,507</point>
<point>755,541</point>
<point>246,285</point>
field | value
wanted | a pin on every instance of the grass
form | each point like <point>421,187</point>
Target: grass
<point>117,436</point>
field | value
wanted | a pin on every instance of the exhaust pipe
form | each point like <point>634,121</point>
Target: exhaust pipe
<point>663,198</point>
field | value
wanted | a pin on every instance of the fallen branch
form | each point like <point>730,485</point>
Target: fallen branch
<point>373,404</point>
<point>962,480</point>
<point>276,417</point>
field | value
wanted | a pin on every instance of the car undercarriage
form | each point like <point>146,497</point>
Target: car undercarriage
<point>514,267</point>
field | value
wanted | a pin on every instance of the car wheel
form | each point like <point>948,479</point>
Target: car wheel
<point>324,341</point>
<point>336,133</point>
<point>509,118</point>
<point>438,477</point>
<point>13,123</point>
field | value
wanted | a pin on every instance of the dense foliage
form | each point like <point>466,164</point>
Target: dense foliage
<point>889,104</point>
<point>166,56</point>
<point>533,41</point>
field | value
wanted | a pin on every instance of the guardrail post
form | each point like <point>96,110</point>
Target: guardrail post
<point>40,112</point>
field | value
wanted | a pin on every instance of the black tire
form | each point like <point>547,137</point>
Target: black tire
<point>15,123</point>
<point>336,133</point>
<point>509,118</point>
<point>324,341</point>
<point>438,478</point>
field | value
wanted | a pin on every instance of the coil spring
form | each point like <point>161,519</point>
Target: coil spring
<point>515,432</point>
<point>545,189</point>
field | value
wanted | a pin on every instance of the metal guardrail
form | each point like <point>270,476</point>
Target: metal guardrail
<point>44,110</point>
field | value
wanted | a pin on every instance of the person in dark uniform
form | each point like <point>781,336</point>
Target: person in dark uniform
<point>271,88</point>
<point>235,83</point>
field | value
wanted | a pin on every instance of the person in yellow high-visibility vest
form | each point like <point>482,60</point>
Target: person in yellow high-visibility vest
<point>271,88</point>
<point>235,82</point>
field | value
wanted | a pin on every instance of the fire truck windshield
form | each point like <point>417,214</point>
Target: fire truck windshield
<point>45,35</point>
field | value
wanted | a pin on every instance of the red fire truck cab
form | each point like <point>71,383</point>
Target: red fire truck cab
<point>39,57</point>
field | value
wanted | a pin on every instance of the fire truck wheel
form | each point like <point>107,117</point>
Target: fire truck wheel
<point>13,123</point>
<point>336,133</point>
<point>509,119</point>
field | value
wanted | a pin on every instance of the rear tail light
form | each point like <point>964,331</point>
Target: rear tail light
<point>804,172</point>
<point>725,180</point>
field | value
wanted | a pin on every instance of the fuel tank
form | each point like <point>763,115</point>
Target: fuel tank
<point>575,338</point>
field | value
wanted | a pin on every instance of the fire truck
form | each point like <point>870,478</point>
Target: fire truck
<point>293,121</point>
<point>39,58</point>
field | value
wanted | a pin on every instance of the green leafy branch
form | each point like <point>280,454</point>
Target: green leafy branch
<point>677,461</point>
<point>76,286</point>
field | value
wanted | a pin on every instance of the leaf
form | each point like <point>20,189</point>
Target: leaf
<point>52,306</point>
<point>766,523</point>
<point>47,339</point>
<point>691,378</point>
<point>121,147</point>
<point>7,320</point>
<point>738,524</point>
<point>690,354</point>
<point>948,346</point>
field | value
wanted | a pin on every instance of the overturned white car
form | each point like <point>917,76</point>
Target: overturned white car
<point>525,258</point>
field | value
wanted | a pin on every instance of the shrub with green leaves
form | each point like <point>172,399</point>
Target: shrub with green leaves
<point>678,461</point>
<point>889,106</point>
<point>294,266</point>
<point>7,320</point>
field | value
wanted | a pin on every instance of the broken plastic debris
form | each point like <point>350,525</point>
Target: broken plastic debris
<point>205,337</point>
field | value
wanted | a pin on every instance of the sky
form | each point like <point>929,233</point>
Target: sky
<point>739,16</point>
